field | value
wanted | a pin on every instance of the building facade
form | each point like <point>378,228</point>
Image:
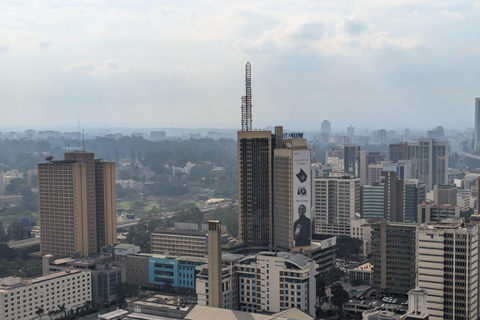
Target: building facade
<point>292,194</point>
<point>77,205</point>
<point>429,211</point>
<point>268,281</point>
<point>255,177</point>
<point>336,202</point>
<point>21,299</point>
<point>414,192</point>
<point>447,262</point>
<point>393,256</point>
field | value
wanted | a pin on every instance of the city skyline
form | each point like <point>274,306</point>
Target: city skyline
<point>376,63</point>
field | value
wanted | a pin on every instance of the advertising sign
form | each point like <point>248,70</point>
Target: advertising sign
<point>301,198</point>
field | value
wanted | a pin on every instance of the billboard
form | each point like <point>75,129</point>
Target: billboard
<point>302,229</point>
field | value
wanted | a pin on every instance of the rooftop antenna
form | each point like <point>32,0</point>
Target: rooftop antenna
<point>247,100</point>
<point>83,134</point>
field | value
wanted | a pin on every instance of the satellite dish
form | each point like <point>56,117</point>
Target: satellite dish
<point>289,145</point>
<point>49,157</point>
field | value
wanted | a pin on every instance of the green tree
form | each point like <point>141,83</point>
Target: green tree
<point>339,296</point>
<point>137,205</point>
<point>348,246</point>
<point>140,234</point>
<point>18,231</point>
<point>3,234</point>
<point>51,313</point>
<point>40,313</point>
<point>192,214</point>
<point>127,289</point>
<point>62,309</point>
<point>357,282</point>
<point>333,275</point>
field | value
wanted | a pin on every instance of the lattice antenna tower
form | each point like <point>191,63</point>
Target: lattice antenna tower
<point>247,100</point>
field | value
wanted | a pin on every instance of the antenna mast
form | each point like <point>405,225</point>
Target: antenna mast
<point>247,100</point>
<point>78,131</point>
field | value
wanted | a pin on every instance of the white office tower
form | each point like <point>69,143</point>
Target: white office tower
<point>337,199</point>
<point>447,263</point>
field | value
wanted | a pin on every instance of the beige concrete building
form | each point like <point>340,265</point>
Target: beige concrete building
<point>22,298</point>
<point>447,269</point>
<point>179,243</point>
<point>77,205</point>
<point>292,195</point>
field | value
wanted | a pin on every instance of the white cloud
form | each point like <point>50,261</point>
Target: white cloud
<point>46,43</point>
<point>450,14</point>
<point>196,50</point>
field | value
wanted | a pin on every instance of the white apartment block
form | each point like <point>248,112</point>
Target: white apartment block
<point>267,281</point>
<point>447,264</point>
<point>20,298</point>
<point>336,200</point>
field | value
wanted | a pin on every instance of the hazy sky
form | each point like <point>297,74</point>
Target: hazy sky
<point>371,63</point>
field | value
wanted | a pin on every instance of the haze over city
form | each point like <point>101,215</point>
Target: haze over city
<point>371,64</point>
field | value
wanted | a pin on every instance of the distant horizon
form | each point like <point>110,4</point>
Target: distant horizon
<point>147,127</point>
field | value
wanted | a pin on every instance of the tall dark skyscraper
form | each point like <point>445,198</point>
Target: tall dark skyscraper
<point>477,124</point>
<point>255,176</point>
<point>77,205</point>
<point>255,206</point>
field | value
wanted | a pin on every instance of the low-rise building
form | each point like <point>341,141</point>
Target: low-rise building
<point>362,272</point>
<point>22,298</point>
<point>267,281</point>
<point>180,242</point>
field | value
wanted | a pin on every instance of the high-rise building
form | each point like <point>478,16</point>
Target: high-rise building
<point>445,194</point>
<point>352,160</point>
<point>447,268</point>
<point>398,151</point>
<point>372,158</point>
<point>337,199</point>
<point>383,200</point>
<point>326,127</point>
<point>414,192</point>
<point>77,204</point>
<point>292,195</point>
<point>382,136</point>
<point>255,193</point>
<point>393,256</point>
<point>372,201</point>
<point>402,168</point>
<point>350,132</point>
<point>477,124</point>
<point>429,160</point>
<point>345,159</point>
<point>393,196</point>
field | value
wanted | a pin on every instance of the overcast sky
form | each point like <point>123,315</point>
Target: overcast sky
<point>371,63</point>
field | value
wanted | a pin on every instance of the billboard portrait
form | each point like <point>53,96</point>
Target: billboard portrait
<point>302,228</point>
